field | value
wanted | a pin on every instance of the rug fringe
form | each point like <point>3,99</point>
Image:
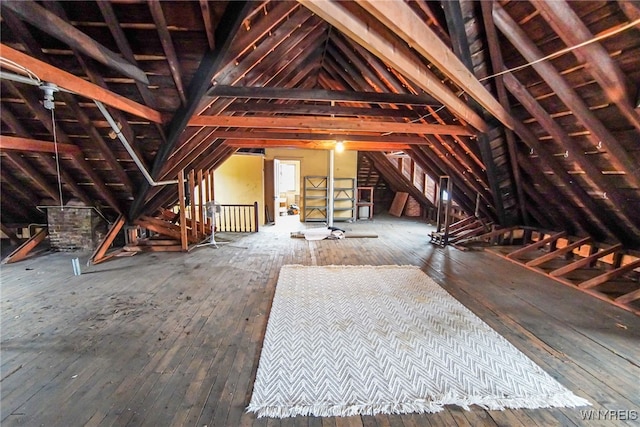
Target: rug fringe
<point>560,400</point>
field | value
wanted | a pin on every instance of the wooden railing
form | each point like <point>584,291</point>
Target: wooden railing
<point>237,218</point>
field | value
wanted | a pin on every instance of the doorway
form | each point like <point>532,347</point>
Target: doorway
<point>282,192</point>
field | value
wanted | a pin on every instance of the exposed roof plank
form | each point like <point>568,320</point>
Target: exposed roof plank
<point>122,42</point>
<point>618,88</point>
<point>404,22</point>
<point>575,150</point>
<point>167,45</point>
<point>75,84</point>
<point>211,62</point>
<point>567,94</point>
<point>322,123</point>
<point>366,32</point>
<point>103,191</point>
<point>56,27</point>
<point>26,168</point>
<point>68,180</point>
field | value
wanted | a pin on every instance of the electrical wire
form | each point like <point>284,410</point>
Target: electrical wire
<point>30,74</point>
<point>567,49</point>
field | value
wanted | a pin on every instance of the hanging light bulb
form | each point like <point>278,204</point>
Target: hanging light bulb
<point>339,147</point>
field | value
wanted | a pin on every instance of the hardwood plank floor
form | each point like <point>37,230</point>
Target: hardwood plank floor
<point>174,339</point>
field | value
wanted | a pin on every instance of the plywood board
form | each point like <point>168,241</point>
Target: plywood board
<point>397,206</point>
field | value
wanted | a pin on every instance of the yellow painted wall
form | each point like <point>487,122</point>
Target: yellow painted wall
<point>240,180</point>
<point>316,162</point>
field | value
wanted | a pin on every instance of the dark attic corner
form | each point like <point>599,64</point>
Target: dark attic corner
<point>157,157</point>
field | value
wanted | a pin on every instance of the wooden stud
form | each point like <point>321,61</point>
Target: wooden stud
<point>609,275</point>
<point>23,250</point>
<point>537,245</point>
<point>583,262</point>
<point>558,252</point>
<point>201,201</point>
<point>183,218</point>
<point>192,198</point>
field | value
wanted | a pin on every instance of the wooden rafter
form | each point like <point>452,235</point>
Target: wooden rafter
<point>403,21</point>
<point>67,179</point>
<point>34,145</point>
<point>209,65</point>
<point>599,133</point>
<point>609,275</point>
<point>458,34</point>
<point>573,31</point>
<point>208,23</point>
<point>167,45</point>
<point>56,27</point>
<point>551,240</point>
<point>120,38</point>
<point>369,33</point>
<point>327,124</point>
<point>100,253</point>
<point>576,152</point>
<point>34,175</point>
<point>75,84</point>
<point>495,57</point>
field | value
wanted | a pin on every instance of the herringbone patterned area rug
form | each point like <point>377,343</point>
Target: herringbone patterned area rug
<point>347,340</point>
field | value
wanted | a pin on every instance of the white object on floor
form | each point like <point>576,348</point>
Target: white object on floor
<point>349,340</point>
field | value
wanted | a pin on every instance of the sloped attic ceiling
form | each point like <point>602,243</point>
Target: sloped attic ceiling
<point>552,144</point>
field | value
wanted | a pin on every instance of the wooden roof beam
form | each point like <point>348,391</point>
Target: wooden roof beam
<point>617,87</point>
<point>75,84</point>
<point>326,124</point>
<point>497,65</point>
<point>18,189</point>
<point>16,143</point>
<point>54,26</point>
<point>369,33</point>
<point>403,21</point>
<point>208,23</point>
<point>319,110</point>
<point>314,145</point>
<point>580,110</point>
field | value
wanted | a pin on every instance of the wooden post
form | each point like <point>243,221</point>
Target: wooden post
<point>183,217</point>
<point>201,201</point>
<point>192,190</point>
<point>447,215</point>
<point>256,215</point>
<point>206,194</point>
<point>99,254</point>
